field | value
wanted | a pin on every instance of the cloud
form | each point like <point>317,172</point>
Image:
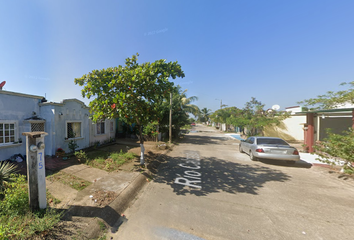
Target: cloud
<point>156,32</point>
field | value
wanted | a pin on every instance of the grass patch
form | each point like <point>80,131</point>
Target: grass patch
<point>16,219</point>
<point>69,180</point>
<point>51,199</point>
<point>108,161</point>
<point>102,225</point>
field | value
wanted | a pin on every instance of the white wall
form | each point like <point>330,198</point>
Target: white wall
<point>57,116</point>
<point>17,107</point>
<point>291,129</point>
<point>109,132</point>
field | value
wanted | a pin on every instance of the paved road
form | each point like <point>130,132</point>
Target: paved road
<point>208,190</point>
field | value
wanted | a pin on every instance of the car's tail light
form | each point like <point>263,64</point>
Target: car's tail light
<point>259,150</point>
<point>296,152</point>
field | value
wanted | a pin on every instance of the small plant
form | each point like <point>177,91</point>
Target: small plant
<point>102,225</point>
<point>73,145</point>
<point>6,171</point>
<point>81,156</point>
<point>305,148</point>
<point>60,152</point>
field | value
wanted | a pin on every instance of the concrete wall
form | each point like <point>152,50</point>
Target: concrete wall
<point>109,133</point>
<point>16,107</point>
<point>290,129</point>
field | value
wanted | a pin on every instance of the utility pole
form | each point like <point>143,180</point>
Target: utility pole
<point>220,102</point>
<point>170,134</point>
<point>36,170</point>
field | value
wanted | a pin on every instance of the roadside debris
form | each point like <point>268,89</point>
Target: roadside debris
<point>102,197</point>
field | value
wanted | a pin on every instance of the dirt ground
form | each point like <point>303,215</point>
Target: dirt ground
<point>75,227</point>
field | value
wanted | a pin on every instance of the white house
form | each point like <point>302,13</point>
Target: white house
<point>18,113</point>
<point>65,121</point>
<point>290,129</point>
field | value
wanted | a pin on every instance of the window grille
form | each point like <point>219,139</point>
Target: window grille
<point>37,127</point>
<point>100,128</point>
<point>73,129</point>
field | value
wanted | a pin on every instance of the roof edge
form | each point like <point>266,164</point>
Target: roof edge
<point>20,94</point>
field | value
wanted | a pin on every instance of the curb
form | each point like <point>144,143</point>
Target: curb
<point>119,205</point>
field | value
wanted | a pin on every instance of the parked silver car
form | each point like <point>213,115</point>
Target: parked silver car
<point>269,148</point>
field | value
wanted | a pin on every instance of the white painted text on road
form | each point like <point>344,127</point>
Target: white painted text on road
<point>190,177</point>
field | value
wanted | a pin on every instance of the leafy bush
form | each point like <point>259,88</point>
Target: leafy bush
<point>81,156</point>
<point>15,201</point>
<point>73,145</point>
<point>6,171</point>
<point>336,149</point>
<point>16,219</point>
<point>150,129</point>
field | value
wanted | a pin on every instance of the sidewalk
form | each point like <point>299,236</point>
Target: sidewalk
<point>105,199</point>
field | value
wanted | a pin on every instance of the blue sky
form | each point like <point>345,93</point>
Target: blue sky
<point>278,51</point>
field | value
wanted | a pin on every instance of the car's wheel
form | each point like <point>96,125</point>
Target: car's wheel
<point>252,157</point>
<point>240,148</point>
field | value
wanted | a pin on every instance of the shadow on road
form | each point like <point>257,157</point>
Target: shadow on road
<point>203,140</point>
<point>218,175</point>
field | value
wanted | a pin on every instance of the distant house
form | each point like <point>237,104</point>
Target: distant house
<point>65,121</point>
<point>290,129</point>
<point>319,121</point>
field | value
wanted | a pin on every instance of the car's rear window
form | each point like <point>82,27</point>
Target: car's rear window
<point>271,141</point>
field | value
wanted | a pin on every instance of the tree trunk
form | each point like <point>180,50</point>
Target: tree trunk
<point>142,149</point>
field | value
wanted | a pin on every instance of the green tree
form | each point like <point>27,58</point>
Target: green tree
<point>237,119</point>
<point>336,147</point>
<point>133,92</point>
<point>253,117</point>
<point>220,115</point>
<point>180,116</point>
<point>204,114</point>
<point>256,117</point>
<point>186,102</point>
<point>331,99</point>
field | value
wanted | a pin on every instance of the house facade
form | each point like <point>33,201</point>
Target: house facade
<point>64,122</point>
<point>102,132</point>
<point>318,122</point>
<point>18,113</point>
<point>289,129</point>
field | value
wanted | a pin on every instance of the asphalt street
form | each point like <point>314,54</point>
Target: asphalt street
<point>206,189</point>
